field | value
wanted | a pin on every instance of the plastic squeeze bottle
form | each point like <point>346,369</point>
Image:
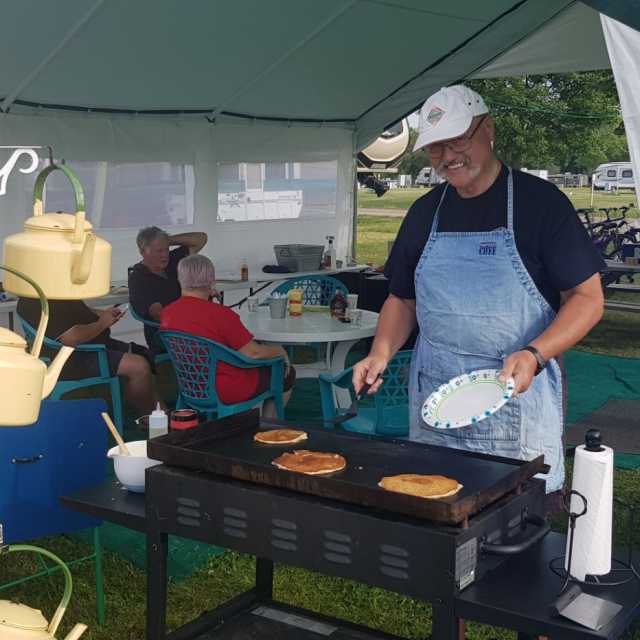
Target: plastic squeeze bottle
<point>158,423</point>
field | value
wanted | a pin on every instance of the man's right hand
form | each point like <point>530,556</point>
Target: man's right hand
<point>109,317</point>
<point>369,370</point>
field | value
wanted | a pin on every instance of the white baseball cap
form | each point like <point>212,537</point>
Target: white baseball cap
<point>448,114</point>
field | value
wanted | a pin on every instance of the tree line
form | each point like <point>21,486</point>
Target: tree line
<point>560,122</point>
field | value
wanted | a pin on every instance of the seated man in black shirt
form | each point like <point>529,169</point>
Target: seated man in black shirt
<point>72,322</point>
<point>153,282</point>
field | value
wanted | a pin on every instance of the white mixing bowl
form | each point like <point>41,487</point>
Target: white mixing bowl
<point>130,469</point>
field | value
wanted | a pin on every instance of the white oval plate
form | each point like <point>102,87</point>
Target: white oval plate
<point>467,399</point>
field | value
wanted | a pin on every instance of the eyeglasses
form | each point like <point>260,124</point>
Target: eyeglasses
<point>457,145</point>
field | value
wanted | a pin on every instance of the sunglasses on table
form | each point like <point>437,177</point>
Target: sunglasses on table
<point>457,145</point>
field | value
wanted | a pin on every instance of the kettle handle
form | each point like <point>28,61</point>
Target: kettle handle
<point>38,190</point>
<point>44,310</point>
<point>68,581</point>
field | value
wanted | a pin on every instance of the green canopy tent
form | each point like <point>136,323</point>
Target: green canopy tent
<point>242,118</point>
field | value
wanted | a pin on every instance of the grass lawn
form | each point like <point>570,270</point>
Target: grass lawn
<point>403,198</point>
<point>225,576</point>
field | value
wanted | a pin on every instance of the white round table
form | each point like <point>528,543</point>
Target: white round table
<point>313,326</point>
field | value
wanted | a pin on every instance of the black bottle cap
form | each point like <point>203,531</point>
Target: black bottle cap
<point>593,440</point>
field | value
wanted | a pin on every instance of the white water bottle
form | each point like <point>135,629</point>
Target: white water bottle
<point>158,423</point>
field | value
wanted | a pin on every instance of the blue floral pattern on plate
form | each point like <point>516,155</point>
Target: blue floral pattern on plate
<point>483,381</point>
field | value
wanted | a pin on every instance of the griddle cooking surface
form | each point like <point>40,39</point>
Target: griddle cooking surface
<point>227,447</point>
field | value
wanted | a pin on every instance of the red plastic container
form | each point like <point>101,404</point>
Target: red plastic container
<point>183,419</point>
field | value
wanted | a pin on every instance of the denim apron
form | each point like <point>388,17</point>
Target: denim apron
<point>475,304</point>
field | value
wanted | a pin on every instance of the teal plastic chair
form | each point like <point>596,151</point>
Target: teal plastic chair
<point>390,414</point>
<point>195,360</point>
<point>66,386</point>
<point>316,290</point>
<point>160,354</point>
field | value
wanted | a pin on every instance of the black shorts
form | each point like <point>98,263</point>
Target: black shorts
<point>265,379</point>
<point>82,364</point>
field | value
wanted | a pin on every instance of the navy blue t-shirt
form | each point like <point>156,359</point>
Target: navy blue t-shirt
<point>553,244</point>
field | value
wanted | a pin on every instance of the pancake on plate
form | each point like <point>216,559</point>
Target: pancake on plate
<point>421,486</point>
<point>310,462</point>
<point>280,436</point>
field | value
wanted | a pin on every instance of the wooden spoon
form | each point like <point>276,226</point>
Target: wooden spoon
<point>114,432</point>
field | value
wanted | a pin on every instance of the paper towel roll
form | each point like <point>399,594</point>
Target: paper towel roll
<point>593,478</point>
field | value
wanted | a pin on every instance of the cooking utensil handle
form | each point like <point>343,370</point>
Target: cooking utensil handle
<point>364,390</point>
<point>542,528</point>
<point>366,386</point>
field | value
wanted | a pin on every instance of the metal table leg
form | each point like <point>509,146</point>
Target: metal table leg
<point>445,625</point>
<point>264,578</point>
<point>156,585</point>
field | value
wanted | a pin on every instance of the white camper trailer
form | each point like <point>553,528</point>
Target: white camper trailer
<point>614,175</point>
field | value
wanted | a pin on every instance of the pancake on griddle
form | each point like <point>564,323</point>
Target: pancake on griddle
<point>310,462</point>
<point>421,486</point>
<point>280,436</point>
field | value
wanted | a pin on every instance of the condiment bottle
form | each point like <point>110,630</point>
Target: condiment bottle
<point>338,305</point>
<point>295,302</point>
<point>158,423</point>
<point>244,269</point>
<point>329,260</point>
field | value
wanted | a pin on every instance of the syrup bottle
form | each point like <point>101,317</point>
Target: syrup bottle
<point>338,305</point>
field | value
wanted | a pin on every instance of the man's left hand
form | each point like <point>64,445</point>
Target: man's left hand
<point>521,366</point>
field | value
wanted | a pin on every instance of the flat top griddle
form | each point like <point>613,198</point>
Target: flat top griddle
<point>226,447</point>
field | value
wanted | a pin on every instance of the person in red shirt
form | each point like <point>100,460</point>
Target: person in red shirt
<point>195,313</point>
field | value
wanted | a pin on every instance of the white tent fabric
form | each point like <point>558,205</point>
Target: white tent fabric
<point>557,47</point>
<point>623,44</point>
<point>202,148</point>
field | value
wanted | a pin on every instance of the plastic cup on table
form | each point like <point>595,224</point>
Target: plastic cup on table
<point>355,316</point>
<point>252,303</point>
<point>352,300</point>
<point>278,308</point>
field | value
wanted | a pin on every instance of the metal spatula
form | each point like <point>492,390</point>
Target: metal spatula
<point>352,411</point>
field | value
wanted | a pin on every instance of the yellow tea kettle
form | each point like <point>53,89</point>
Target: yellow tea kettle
<point>24,378</point>
<point>20,622</point>
<point>59,250</point>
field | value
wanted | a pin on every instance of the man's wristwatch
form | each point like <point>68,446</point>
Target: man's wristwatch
<point>541,363</point>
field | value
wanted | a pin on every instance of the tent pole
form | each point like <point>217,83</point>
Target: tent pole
<point>354,219</point>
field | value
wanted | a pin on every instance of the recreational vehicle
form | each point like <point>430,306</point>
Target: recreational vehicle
<point>614,175</point>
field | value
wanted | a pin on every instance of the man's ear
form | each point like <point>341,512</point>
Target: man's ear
<point>490,125</point>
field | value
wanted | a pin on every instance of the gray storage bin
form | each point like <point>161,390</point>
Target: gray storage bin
<point>299,257</point>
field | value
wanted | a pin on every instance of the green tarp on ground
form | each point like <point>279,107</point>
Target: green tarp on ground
<point>595,379</point>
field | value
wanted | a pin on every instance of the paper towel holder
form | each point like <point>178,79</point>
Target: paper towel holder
<point>593,441</point>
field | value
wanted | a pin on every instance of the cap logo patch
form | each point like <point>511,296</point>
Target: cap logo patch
<point>435,115</point>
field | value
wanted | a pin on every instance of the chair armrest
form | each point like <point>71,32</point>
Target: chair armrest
<point>342,379</point>
<point>89,346</point>
<point>243,362</point>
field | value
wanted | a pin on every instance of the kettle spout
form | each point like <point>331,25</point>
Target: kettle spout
<point>76,632</point>
<point>83,260</point>
<point>53,371</point>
